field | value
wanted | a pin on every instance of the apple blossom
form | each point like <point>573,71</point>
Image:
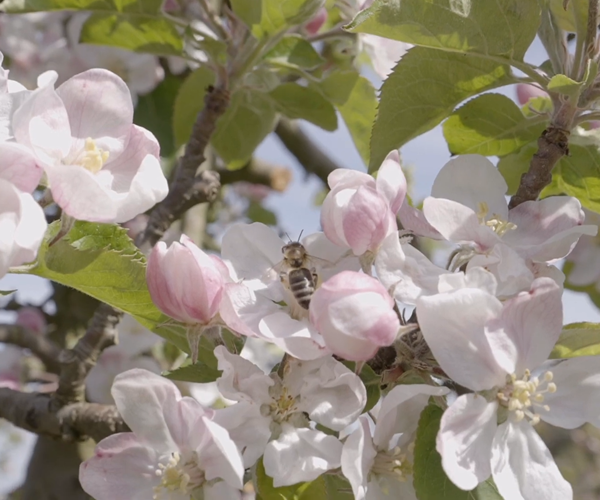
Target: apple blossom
<point>175,450</point>
<point>22,226</point>
<point>359,211</point>
<point>498,350</point>
<point>355,314</point>
<point>186,284</point>
<point>585,257</point>
<point>100,166</point>
<point>254,251</point>
<point>379,462</point>
<point>271,414</point>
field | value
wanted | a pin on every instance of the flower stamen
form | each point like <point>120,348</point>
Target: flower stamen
<point>178,477</point>
<point>523,395</point>
<point>93,158</point>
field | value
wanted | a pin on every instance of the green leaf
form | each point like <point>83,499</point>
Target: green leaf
<point>132,24</point>
<point>279,15</point>
<point>295,101</point>
<point>248,120</point>
<point>356,100</point>
<point>315,490</point>
<point>500,28</point>
<point>4,293</point>
<point>294,52</point>
<point>578,175</point>
<point>424,88</point>
<point>491,125</point>
<point>574,18</point>
<point>564,85</point>
<point>133,31</point>
<point>249,11</point>
<point>257,213</point>
<point>189,102</point>
<point>577,339</point>
<point>372,383</point>
<point>100,260</point>
<point>204,370</point>
<point>429,479</point>
<point>154,111</point>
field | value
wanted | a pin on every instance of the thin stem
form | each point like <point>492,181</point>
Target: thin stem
<point>213,21</point>
<point>335,32</point>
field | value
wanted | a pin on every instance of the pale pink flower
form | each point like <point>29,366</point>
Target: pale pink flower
<point>32,318</point>
<point>355,314</point>
<point>100,166</point>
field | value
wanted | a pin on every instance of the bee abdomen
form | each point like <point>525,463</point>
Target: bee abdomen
<point>302,286</point>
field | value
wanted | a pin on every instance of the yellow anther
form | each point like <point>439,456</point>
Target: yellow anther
<point>93,158</point>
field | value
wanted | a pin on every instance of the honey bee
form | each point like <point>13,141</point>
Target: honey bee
<point>298,272</point>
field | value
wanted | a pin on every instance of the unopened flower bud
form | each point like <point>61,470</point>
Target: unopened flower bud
<point>355,315</point>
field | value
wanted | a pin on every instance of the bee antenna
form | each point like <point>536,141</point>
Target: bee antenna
<point>300,235</point>
<point>290,239</point>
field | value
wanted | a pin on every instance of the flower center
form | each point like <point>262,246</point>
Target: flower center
<point>525,395</point>
<point>283,404</point>
<point>178,477</point>
<point>391,465</point>
<point>495,223</point>
<point>92,158</point>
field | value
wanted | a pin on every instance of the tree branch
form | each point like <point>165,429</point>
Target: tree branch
<point>38,413</point>
<point>76,363</point>
<point>310,156</point>
<point>259,172</point>
<point>46,350</point>
<point>189,189</point>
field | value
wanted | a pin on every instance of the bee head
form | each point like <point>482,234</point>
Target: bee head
<point>294,253</point>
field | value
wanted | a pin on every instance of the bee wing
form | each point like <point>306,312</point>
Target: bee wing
<point>274,271</point>
<point>317,262</point>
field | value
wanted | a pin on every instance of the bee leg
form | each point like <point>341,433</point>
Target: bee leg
<point>283,277</point>
<point>315,277</point>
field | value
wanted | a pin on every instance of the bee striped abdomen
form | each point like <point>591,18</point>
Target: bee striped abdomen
<point>302,285</point>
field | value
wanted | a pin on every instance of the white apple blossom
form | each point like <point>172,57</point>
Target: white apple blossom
<point>22,226</point>
<point>174,452</point>
<point>271,414</point>
<point>100,167</point>
<point>499,350</point>
<point>585,257</point>
<point>378,462</point>
<point>254,251</point>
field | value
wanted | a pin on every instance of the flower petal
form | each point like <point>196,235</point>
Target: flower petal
<point>18,165</point>
<point>300,455</point>
<point>523,467</point>
<point>400,410</point>
<point>529,326</point>
<point>453,325</point>
<point>122,468</point>
<point>577,397</point>
<point>98,104</point>
<point>391,181</point>
<point>465,440</point>
<point>471,180</point>
<point>358,457</point>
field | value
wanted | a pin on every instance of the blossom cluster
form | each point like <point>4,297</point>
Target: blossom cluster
<point>486,324</point>
<point>79,141</point>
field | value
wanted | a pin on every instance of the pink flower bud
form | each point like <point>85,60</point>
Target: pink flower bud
<point>184,282</point>
<point>32,318</point>
<point>314,25</point>
<point>355,315</point>
<point>359,212</point>
<point>526,92</point>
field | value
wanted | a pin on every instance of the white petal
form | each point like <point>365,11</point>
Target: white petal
<point>458,223</point>
<point>332,395</point>
<point>465,440</point>
<point>400,411</point>
<point>529,326</point>
<point>405,271</point>
<point>301,455</point>
<point>453,325</point>
<point>391,181</point>
<point>523,467</point>
<point>470,180</point>
<point>220,491</point>
<point>414,220</point>
<point>242,379</point>
<point>358,457</point>
<point>577,397</point>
